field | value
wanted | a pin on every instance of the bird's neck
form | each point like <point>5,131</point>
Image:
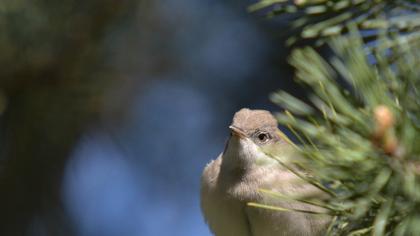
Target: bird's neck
<point>237,161</point>
<point>234,156</point>
<point>233,165</point>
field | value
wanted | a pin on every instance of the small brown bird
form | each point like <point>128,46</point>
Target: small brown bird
<point>235,177</point>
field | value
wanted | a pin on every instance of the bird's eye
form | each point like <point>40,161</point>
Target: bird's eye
<point>263,137</point>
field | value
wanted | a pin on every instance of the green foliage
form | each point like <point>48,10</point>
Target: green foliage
<point>359,130</point>
<point>372,167</point>
<point>322,19</point>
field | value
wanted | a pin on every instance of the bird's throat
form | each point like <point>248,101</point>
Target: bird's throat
<point>237,156</point>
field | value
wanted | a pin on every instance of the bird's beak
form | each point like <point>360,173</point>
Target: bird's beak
<point>237,132</point>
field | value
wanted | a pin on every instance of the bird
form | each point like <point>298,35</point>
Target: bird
<point>235,178</point>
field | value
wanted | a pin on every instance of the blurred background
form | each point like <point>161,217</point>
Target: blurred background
<point>109,110</point>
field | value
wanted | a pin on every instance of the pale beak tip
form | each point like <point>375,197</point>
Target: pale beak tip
<point>237,131</point>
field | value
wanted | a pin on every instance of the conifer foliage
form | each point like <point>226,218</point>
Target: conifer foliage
<point>360,125</point>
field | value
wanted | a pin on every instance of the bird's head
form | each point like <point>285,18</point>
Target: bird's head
<point>253,132</point>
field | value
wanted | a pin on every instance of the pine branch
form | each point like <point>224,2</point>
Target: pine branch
<point>359,132</point>
<point>365,139</point>
<point>323,19</point>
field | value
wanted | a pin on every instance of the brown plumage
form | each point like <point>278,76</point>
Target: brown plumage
<point>233,179</point>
